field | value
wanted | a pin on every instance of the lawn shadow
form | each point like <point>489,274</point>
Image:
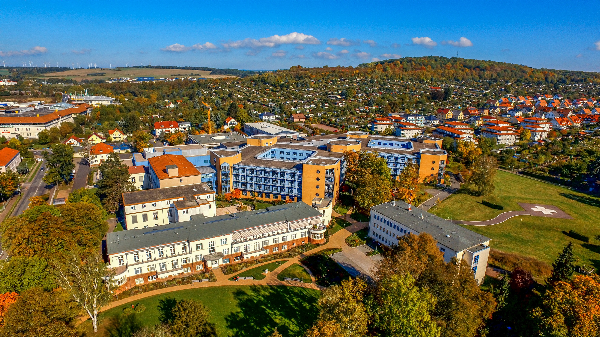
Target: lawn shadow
<point>491,205</point>
<point>583,199</point>
<point>592,247</point>
<point>262,309</point>
<point>595,264</point>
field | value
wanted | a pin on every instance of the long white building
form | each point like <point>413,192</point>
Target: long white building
<point>29,125</point>
<point>391,220</point>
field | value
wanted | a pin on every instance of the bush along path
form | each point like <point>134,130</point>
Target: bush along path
<point>337,240</point>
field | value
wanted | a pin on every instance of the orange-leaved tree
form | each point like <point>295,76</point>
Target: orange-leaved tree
<point>6,300</point>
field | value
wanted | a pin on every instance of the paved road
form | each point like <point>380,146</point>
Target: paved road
<point>80,180</point>
<point>35,188</point>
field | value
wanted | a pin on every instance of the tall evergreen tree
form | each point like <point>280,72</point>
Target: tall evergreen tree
<point>114,182</point>
<point>60,164</point>
<point>563,266</point>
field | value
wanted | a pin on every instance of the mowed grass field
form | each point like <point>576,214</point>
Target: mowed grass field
<point>538,237</point>
<point>81,74</point>
<point>246,311</point>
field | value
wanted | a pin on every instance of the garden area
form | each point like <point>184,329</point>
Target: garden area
<point>325,270</point>
<point>540,238</point>
<point>258,272</point>
<point>245,311</point>
<point>358,239</point>
<point>295,271</point>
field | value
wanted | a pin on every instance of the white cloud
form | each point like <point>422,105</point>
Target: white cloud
<point>81,52</point>
<point>179,48</point>
<point>375,59</point>
<point>361,55</point>
<point>279,53</point>
<point>273,41</point>
<point>37,50</point>
<point>343,42</point>
<point>301,56</point>
<point>370,43</point>
<point>396,45</point>
<point>579,55</point>
<point>424,41</point>
<point>329,49</point>
<point>462,42</point>
<point>597,45</point>
<point>343,52</point>
<point>299,47</point>
<point>390,56</point>
<point>325,55</point>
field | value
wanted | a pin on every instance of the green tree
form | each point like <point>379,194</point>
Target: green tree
<point>564,265</point>
<point>60,164</point>
<point>140,140</point>
<point>21,273</point>
<point>114,182</point>
<point>9,183</point>
<point>83,277</point>
<point>343,310</point>
<point>525,135</point>
<point>187,318</point>
<point>369,178</point>
<point>481,181</point>
<point>407,186</point>
<point>403,309</point>
<point>89,195</point>
<point>42,314</point>
<point>154,331</point>
<point>43,137</point>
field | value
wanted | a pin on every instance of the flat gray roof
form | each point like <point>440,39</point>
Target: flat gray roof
<point>185,191</point>
<point>217,138</point>
<point>199,227</point>
<point>443,231</point>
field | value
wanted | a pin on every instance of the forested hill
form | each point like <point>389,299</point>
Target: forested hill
<point>441,68</point>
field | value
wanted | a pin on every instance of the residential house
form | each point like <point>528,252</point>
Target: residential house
<point>444,113</point>
<point>267,117</point>
<point>538,127</point>
<point>9,159</point>
<point>229,123</point>
<point>504,135</point>
<point>381,124</point>
<point>408,130</point>
<point>117,135</point>
<point>561,123</point>
<point>74,141</point>
<point>185,126</point>
<point>297,118</point>
<point>445,131</point>
<point>392,220</point>
<point>171,170</point>
<point>139,177</point>
<point>431,120</point>
<point>95,138</point>
<point>99,153</point>
<point>165,127</point>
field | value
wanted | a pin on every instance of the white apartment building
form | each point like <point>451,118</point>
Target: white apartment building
<point>144,255</point>
<point>158,207</point>
<point>391,220</point>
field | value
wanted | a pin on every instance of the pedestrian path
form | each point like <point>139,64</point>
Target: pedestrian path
<point>337,240</point>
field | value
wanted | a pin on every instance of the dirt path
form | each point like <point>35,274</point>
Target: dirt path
<point>337,240</point>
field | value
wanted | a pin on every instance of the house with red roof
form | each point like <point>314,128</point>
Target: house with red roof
<point>95,138</point>
<point>99,153</point>
<point>504,135</point>
<point>139,177</point>
<point>407,130</point>
<point>165,127</point>
<point>297,118</point>
<point>381,124</point>
<point>74,141</point>
<point>117,135</point>
<point>229,123</point>
<point>561,123</point>
<point>445,131</point>
<point>9,159</point>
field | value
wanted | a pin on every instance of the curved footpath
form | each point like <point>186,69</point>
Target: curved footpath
<point>337,240</point>
<point>498,219</point>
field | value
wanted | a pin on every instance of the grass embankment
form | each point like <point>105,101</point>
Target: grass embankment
<point>295,271</point>
<point>245,311</point>
<point>258,272</point>
<point>538,237</point>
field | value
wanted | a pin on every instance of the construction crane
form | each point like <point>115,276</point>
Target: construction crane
<point>209,125</point>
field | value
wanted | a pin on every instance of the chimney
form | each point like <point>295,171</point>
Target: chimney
<point>172,170</point>
<point>409,207</point>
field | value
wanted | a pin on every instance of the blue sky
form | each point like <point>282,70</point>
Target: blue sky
<point>279,34</point>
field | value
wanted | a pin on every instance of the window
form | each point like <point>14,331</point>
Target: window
<point>198,246</point>
<point>284,247</point>
<point>198,257</point>
<point>293,236</point>
<point>198,267</point>
<point>303,234</point>
<point>133,179</point>
<point>136,257</point>
<point>236,249</point>
<point>225,251</point>
<point>139,280</point>
<point>163,266</point>
<point>184,260</point>
<point>275,249</point>
<point>155,215</point>
<point>275,240</point>
<point>172,250</point>
<point>151,268</point>
<point>223,241</point>
<point>246,248</point>
<point>134,219</point>
<point>153,204</point>
<point>175,264</point>
<point>475,269</point>
<point>265,243</point>
<point>476,259</point>
<point>144,217</point>
<point>138,270</point>
<point>121,261</point>
<point>211,247</point>
<point>143,205</point>
<point>184,249</point>
<point>225,260</point>
<point>149,254</point>
<point>161,252</point>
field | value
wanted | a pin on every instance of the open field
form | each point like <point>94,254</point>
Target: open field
<point>245,311</point>
<point>4,72</point>
<point>84,74</point>
<point>538,237</point>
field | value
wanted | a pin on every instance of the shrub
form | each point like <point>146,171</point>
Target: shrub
<point>511,261</point>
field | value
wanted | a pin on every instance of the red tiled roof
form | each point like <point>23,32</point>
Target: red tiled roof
<point>96,135</point>
<point>159,165</point>
<point>101,148</point>
<point>166,125</point>
<point>450,130</point>
<point>110,132</point>
<point>6,155</point>
<point>75,138</point>
<point>136,169</point>
<point>45,118</point>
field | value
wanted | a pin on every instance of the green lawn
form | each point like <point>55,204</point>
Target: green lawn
<point>359,238</point>
<point>245,311</point>
<point>295,271</point>
<point>337,224</point>
<point>538,237</point>
<point>257,272</point>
